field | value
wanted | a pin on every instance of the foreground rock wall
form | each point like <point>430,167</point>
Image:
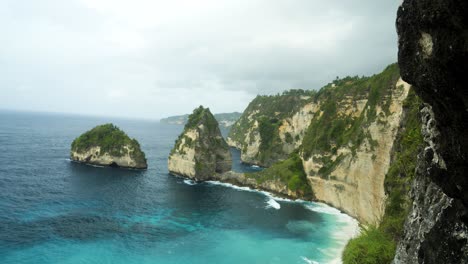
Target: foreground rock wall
<point>433,56</point>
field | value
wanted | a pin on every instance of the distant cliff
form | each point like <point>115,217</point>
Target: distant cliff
<point>273,126</point>
<point>356,140</point>
<point>224,119</point>
<point>107,145</point>
<point>200,152</point>
<point>344,134</point>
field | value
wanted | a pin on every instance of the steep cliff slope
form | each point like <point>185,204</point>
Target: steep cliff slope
<point>107,145</point>
<point>272,126</point>
<point>343,134</point>
<point>200,152</point>
<point>346,149</point>
<point>433,56</point>
<point>377,243</point>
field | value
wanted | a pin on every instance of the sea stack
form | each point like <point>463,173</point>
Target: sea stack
<point>200,152</point>
<point>107,145</point>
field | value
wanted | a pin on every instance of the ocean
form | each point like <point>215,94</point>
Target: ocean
<point>53,210</point>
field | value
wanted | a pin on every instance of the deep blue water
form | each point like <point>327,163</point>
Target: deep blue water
<point>56,211</point>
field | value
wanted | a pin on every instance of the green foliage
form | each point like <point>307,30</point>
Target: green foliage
<point>268,129</point>
<point>290,172</point>
<point>269,111</point>
<point>202,120</point>
<point>372,247</point>
<point>329,165</point>
<point>377,244</point>
<point>288,138</point>
<point>332,129</point>
<point>110,139</point>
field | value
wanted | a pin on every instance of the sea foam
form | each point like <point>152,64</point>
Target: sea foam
<point>189,182</point>
<point>349,227</point>
<point>271,203</point>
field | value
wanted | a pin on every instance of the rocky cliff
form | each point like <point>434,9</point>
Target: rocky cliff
<point>343,134</point>
<point>200,152</point>
<point>433,56</point>
<point>272,126</point>
<point>350,175</point>
<point>107,145</point>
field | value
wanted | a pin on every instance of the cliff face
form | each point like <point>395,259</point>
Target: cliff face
<point>107,145</point>
<point>343,135</point>
<point>354,182</point>
<point>272,126</point>
<point>95,157</point>
<point>433,56</point>
<point>200,152</point>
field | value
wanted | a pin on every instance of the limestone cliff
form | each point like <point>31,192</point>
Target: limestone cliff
<point>107,145</point>
<point>433,56</point>
<point>351,175</point>
<point>200,152</point>
<point>272,127</point>
<point>344,134</point>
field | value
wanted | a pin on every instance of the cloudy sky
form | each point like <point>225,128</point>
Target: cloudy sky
<point>151,58</point>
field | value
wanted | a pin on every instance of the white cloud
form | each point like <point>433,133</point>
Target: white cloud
<point>159,58</point>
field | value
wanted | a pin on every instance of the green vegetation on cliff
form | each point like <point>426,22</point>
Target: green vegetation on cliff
<point>111,140</point>
<point>378,244</point>
<point>201,116</point>
<point>202,145</point>
<point>289,172</point>
<point>269,111</point>
<point>344,110</point>
<point>331,129</point>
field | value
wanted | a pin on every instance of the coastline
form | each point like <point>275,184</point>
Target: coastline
<point>349,230</point>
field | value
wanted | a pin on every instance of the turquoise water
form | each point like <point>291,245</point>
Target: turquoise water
<point>56,211</point>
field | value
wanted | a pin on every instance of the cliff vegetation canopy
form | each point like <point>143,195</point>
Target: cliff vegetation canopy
<point>290,171</point>
<point>110,139</point>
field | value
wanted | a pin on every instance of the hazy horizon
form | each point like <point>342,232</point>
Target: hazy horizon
<point>153,59</point>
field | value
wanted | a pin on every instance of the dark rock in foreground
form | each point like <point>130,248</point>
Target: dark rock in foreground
<point>433,56</point>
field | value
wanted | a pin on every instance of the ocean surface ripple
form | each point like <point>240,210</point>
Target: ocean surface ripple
<point>56,211</point>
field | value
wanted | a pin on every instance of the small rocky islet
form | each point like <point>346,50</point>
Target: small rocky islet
<point>107,145</point>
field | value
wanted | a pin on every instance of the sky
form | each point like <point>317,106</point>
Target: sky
<point>151,59</point>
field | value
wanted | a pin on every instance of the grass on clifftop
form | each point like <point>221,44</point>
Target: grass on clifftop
<point>110,139</point>
<point>289,172</point>
<point>377,245</point>
<point>201,115</point>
